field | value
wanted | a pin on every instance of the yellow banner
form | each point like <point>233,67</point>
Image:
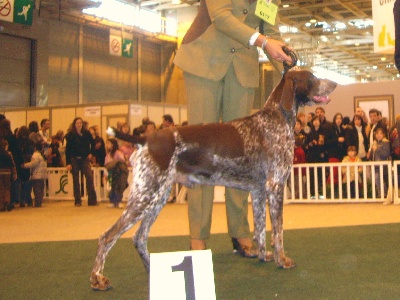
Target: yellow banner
<point>382,12</point>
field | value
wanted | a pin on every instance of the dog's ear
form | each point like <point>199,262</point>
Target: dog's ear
<point>287,97</point>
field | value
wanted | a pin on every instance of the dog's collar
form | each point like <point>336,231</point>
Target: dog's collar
<point>287,114</point>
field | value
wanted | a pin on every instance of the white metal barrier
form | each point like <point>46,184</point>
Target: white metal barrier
<point>317,183</point>
<point>334,183</point>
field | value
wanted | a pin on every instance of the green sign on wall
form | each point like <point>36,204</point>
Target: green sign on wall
<point>17,11</point>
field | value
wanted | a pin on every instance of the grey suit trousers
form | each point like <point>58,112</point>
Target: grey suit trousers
<point>209,102</point>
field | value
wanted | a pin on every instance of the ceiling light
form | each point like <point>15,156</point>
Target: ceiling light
<point>285,5</point>
<point>338,37</point>
<point>383,58</point>
<point>176,2</point>
<point>308,24</point>
<point>313,21</point>
<point>357,44</point>
<point>374,67</point>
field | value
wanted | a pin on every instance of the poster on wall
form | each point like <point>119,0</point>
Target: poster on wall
<point>383,103</point>
<point>17,11</point>
<point>382,12</point>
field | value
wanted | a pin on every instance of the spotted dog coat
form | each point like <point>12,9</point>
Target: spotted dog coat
<point>254,153</point>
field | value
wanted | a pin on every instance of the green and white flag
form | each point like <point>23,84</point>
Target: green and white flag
<point>17,11</point>
<point>121,43</point>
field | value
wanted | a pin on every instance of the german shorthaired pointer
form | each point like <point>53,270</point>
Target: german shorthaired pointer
<point>254,153</point>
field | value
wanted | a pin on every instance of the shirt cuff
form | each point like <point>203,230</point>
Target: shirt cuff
<point>253,38</point>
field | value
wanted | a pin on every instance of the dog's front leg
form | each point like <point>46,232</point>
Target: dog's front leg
<point>275,200</point>
<point>259,212</point>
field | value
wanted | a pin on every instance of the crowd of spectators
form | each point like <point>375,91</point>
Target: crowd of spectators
<point>367,137</point>
<point>28,151</point>
<point>361,137</point>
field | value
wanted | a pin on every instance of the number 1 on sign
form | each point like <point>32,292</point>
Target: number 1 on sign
<point>187,267</point>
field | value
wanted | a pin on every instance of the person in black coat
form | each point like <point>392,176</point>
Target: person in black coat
<point>8,174</point>
<point>315,151</point>
<point>356,136</point>
<point>396,13</point>
<point>13,147</point>
<point>79,152</point>
<point>27,147</point>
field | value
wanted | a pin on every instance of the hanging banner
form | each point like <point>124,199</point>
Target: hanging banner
<point>17,11</point>
<point>382,12</point>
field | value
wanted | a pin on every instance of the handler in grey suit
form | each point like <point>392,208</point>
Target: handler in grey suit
<point>219,58</point>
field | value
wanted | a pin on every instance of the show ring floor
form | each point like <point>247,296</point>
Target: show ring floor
<point>62,221</point>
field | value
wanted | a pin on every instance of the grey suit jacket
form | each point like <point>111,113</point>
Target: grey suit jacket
<point>218,37</point>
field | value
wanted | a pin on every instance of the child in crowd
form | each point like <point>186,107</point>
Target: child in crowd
<point>117,172</point>
<point>380,151</point>
<point>38,166</point>
<point>54,159</point>
<point>350,178</point>
<point>8,173</point>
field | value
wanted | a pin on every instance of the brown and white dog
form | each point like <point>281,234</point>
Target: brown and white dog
<point>254,153</point>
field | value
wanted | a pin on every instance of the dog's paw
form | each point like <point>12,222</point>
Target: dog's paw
<point>99,282</point>
<point>269,256</point>
<point>110,131</point>
<point>266,256</point>
<point>287,263</point>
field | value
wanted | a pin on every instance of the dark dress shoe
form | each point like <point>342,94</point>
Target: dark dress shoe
<point>243,250</point>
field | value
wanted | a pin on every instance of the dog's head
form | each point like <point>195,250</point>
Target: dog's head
<point>306,89</point>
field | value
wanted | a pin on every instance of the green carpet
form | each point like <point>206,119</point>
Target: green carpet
<point>333,263</point>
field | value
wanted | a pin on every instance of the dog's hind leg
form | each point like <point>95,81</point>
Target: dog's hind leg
<point>142,234</point>
<point>107,240</point>
<point>275,201</point>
